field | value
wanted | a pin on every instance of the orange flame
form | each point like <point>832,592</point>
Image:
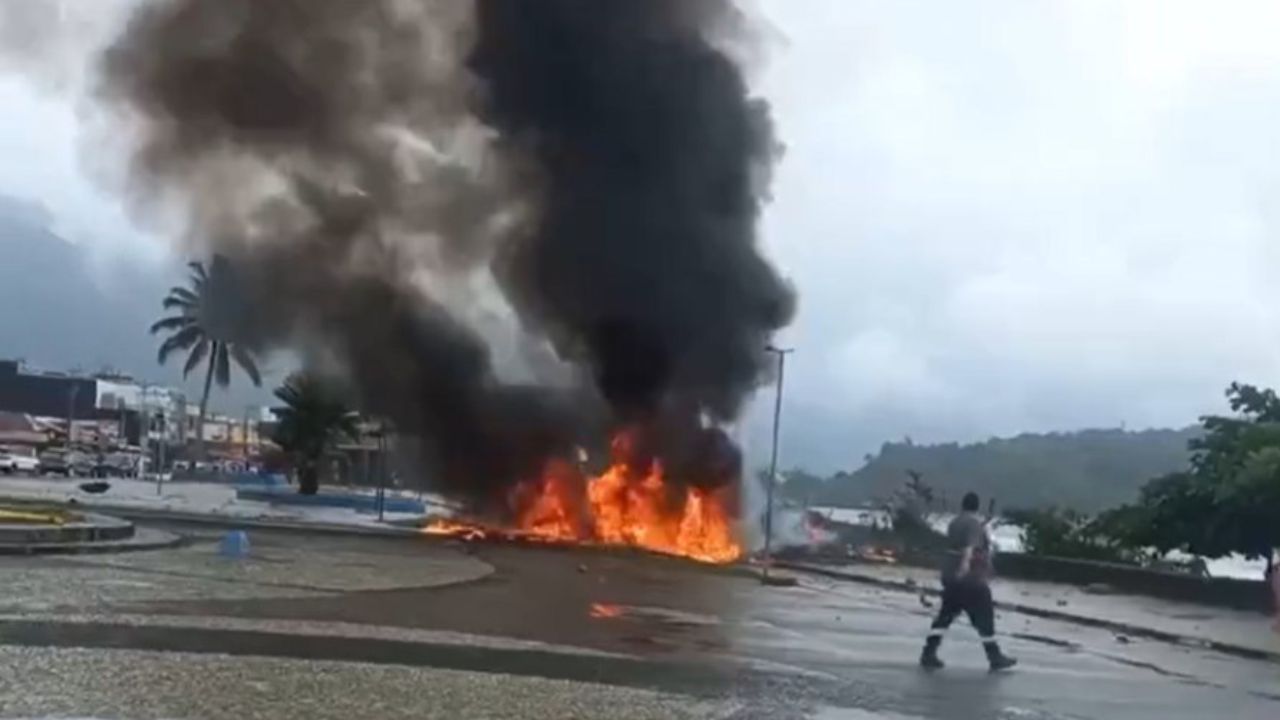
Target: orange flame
<point>605,611</point>
<point>622,506</point>
<point>451,528</point>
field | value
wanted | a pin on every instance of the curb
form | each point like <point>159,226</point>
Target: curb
<point>136,513</point>
<point>164,541</point>
<point>1135,630</point>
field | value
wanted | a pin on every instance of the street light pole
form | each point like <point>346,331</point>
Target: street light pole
<point>71,414</point>
<point>144,431</point>
<point>773,458</point>
<point>382,469</point>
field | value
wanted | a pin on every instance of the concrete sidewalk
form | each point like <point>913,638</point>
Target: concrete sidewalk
<point>1236,632</point>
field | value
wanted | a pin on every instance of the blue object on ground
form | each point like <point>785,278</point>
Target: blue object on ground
<point>235,544</point>
<point>355,501</point>
<point>267,480</point>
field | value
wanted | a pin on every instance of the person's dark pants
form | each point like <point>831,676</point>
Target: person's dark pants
<point>972,597</point>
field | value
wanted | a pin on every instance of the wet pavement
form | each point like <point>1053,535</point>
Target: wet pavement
<point>359,627</point>
<point>1241,631</point>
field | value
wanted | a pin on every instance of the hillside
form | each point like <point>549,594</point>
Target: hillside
<point>60,310</point>
<point>1087,470</point>
<point>56,312</point>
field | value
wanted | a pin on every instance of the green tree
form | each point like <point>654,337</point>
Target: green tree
<point>1229,499</point>
<point>1066,533</point>
<point>205,328</point>
<point>910,508</point>
<point>314,418</point>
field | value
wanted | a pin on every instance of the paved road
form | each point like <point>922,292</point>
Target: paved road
<point>339,627</point>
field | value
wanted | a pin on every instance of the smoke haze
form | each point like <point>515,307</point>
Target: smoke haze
<point>378,172</point>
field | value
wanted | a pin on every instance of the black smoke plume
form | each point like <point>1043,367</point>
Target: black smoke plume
<point>380,171</point>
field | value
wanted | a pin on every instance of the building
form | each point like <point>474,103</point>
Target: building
<point>114,410</point>
<point>19,429</point>
<point>105,406</point>
<point>46,394</point>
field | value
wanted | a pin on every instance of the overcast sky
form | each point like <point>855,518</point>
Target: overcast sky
<point>1000,216</point>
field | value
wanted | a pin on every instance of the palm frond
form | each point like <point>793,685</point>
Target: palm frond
<point>181,340</point>
<point>198,274</point>
<point>177,322</point>
<point>197,354</point>
<point>180,297</point>
<point>245,360</point>
<point>287,394</point>
<point>221,367</point>
<point>314,417</point>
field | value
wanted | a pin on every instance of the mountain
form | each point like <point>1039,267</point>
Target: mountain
<point>63,309</point>
<point>57,312</point>
<point>1088,470</point>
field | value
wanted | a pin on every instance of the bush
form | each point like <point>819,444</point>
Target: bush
<point>1055,532</point>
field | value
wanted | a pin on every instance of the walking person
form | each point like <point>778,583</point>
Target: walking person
<point>966,576</point>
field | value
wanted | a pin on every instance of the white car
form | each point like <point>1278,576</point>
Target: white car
<point>18,460</point>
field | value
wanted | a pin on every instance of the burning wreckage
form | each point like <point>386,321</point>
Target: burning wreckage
<point>524,231</point>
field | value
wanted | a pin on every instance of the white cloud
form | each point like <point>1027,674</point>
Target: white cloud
<point>1021,215</point>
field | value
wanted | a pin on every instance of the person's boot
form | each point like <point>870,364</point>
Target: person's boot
<point>997,659</point>
<point>929,659</point>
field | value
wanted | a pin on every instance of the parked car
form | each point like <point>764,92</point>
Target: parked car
<point>57,461</point>
<point>18,460</point>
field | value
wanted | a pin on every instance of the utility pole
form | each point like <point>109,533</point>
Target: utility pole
<point>244,432</point>
<point>382,467</point>
<point>773,459</point>
<point>123,434</point>
<point>144,429</point>
<point>71,414</point>
<point>164,440</point>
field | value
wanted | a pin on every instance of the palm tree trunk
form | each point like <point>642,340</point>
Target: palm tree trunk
<point>308,478</point>
<point>204,403</point>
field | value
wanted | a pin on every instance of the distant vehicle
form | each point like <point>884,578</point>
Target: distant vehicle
<point>119,464</point>
<point>54,462</point>
<point>57,461</point>
<point>18,460</point>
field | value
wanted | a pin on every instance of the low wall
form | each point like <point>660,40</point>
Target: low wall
<point>1221,592</point>
<point>221,478</point>
<point>1225,592</point>
<point>82,529</point>
<point>354,501</point>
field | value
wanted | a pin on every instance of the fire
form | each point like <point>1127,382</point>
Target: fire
<point>625,505</point>
<point>451,528</point>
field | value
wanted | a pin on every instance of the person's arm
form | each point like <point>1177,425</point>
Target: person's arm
<point>977,543</point>
<point>965,557</point>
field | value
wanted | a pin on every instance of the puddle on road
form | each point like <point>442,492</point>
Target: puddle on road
<point>1009,713</point>
<point>655,629</point>
<point>853,714</point>
<point>656,615</point>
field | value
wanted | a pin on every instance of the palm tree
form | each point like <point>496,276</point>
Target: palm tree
<point>204,328</point>
<point>313,419</point>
